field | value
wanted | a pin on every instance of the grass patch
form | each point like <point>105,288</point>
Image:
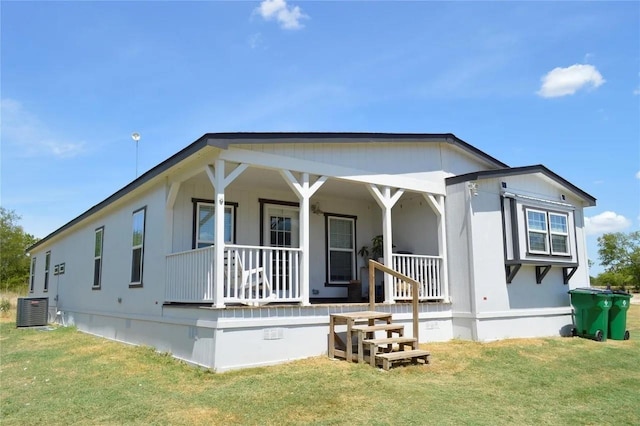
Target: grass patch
<point>66,377</point>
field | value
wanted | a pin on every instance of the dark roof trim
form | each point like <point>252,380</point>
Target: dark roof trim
<point>223,140</point>
<point>513,171</point>
<point>141,180</point>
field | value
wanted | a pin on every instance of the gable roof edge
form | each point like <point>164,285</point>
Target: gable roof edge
<point>513,171</point>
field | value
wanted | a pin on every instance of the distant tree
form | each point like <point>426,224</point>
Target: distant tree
<point>620,255</point>
<point>14,263</point>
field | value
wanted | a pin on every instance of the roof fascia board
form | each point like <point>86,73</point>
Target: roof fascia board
<point>514,171</point>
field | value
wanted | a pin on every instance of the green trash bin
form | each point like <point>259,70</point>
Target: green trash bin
<point>591,307</point>
<point>618,316</point>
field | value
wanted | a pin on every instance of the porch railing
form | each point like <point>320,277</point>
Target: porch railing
<point>252,275</point>
<point>256,275</point>
<point>424,269</point>
<point>190,276</point>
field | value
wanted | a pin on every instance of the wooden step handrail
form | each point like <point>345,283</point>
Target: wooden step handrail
<point>373,265</point>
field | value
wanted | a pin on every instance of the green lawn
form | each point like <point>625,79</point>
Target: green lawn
<point>66,377</point>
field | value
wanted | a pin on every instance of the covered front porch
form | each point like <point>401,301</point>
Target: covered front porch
<point>293,237</point>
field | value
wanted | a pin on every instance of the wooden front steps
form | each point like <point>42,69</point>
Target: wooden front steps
<point>389,328</point>
<point>378,351</point>
<point>414,356</point>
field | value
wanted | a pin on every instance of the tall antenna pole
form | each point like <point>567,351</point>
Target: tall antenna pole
<point>136,137</point>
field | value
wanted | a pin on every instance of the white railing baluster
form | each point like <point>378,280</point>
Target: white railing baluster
<point>422,268</point>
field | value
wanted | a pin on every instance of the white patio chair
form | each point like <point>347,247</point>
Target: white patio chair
<point>253,284</point>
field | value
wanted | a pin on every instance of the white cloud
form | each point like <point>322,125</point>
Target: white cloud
<point>606,222</point>
<point>24,130</point>
<point>567,81</point>
<point>637,91</point>
<point>638,175</point>
<point>288,17</point>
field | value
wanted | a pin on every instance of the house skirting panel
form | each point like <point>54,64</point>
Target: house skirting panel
<point>524,323</point>
<point>190,343</point>
<point>233,338</point>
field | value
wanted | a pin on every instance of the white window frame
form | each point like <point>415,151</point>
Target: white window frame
<point>134,247</point>
<point>548,232</point>
<point>229,209</point>
<point>47,265</point>
<point>537,231</point>
<point>97,279</point>
<point>563,234</point>
<point>330,249</point>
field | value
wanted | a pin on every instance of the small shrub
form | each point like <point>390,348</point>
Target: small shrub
<point>5,305</point>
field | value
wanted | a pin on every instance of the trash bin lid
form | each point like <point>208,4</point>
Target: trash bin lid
<point>590,290</point>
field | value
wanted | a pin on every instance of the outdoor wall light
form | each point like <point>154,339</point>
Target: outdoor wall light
<point>473,188</point>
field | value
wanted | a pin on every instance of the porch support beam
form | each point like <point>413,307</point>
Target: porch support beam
<point>172,194</point>
<point>437,205</point>
<point>216,175</point>
<point>234,174</point>
<point>303,191</point>
<point>386,202</point>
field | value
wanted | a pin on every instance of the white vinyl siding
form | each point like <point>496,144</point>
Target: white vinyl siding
<point>340,250</point>
<point>137,248</point>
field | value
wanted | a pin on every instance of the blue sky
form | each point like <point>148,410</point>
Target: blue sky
<point>553,83</point>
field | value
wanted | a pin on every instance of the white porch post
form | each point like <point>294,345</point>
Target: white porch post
<point>304,193</point>
<point>437,204</point>
<point>220,182</point>
<point>386,202</point>
<point>172,194</point>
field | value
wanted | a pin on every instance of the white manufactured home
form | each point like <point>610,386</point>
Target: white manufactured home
<point>235,251</point>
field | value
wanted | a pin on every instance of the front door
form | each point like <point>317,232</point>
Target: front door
<point>281,229</point>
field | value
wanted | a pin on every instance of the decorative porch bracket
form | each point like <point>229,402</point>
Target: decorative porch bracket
<point>220,182</point>
<point>303,191</point>
<point>386,201</point>
<point>437,205</point>
<point>541,272</point>
<point>567,273</point>
<point>373,265</point>
<point>511,271</point>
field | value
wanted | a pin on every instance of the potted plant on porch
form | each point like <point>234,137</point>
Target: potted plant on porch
<point>375,251</point>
